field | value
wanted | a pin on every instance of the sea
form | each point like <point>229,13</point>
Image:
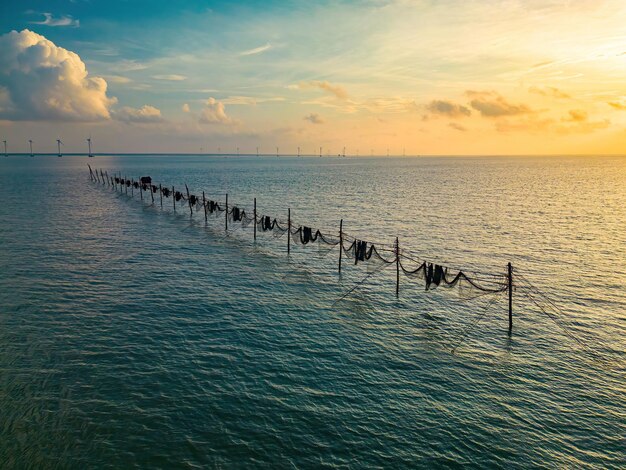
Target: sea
<point>135,335</point>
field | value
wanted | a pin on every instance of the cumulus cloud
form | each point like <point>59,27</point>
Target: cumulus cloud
<point>491,104</point>
<point>256,50</point>
<point>336,90</point>
<point>448,108</point>
<point>50,20</point>
<point>146,114</point>
<point>549,91</point>
<point>214,112</point>
<point>40,81</point>
<point>314,118</point>
<point>170,78</point>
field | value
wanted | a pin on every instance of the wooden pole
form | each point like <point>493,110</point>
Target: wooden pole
<point>174,197</point>
<point>125,185</point>
<point>226,212</point>
<point>188,199</point>
<point>161,195</point>
<point>510,279</point>
<point>132,187</point>
<point>340,242</point>
<point>90,172</point>
<point>151,193</point>
<point>204,205</point>
<point>141,189</point>
<point>255,219</point>
<point>288,231</point>
<point>397,268</point>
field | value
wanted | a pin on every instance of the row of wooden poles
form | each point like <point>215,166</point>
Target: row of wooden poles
<point>104,178</point>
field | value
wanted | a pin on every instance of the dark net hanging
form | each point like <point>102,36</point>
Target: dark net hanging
<point>355,251</point>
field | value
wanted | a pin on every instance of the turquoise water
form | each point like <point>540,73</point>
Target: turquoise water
<point>135,336</point>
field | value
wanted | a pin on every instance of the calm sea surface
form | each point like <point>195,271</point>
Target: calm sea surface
<point>134,336</point>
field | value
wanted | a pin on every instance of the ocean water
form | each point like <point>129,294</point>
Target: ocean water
<point>138,337</point>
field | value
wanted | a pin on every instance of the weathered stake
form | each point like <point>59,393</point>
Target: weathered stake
<point>226,212</point>
<point>340,242</point>
<point>188,199</point>
<point>174,198</point>
<point>510,287</point>
<point>161,195</point>
<point>151,193</point>
<point>204,205</point>
<point>288,231</point>
<point>255,219</point>
<point>397,268</point>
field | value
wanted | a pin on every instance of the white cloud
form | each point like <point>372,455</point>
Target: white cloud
<point>41,81</point>
<point>145,114</point>
<point>61,21</point>
<point>256,50</point>
<point>170,78</point>
<point>214,112</point>
<point>186,108</point>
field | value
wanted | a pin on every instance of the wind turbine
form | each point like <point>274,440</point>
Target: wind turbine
<point>237,151</point>
<point>257,151</point>
<point>5,148</point>
<point>31,147</point>
<point>89,143</point>
<point>277,151</point>
<point>344,153</point>
<point>59,143</point>
<point>298,151</point>
<point>320,152</point>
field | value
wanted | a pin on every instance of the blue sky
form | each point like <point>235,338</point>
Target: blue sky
<point>415,76</point>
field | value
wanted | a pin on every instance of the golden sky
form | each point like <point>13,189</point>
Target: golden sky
<point>413,77</point>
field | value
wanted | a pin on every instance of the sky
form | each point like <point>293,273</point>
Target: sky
<point>413,77</point>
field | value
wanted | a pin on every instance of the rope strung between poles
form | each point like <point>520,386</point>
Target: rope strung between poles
<point>360,251</point>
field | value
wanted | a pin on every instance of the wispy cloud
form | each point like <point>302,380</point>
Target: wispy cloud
<point>576,115</point>
<point>250,100</point>
<point>170,78</point>
<point>616,105</point>
<point>457,127</point>
<point>549,91</point>
<point>314,118</point>
<point>117,79</point>
<point>256,50</point>
<point>336,90</point>
<point>50,20</point>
